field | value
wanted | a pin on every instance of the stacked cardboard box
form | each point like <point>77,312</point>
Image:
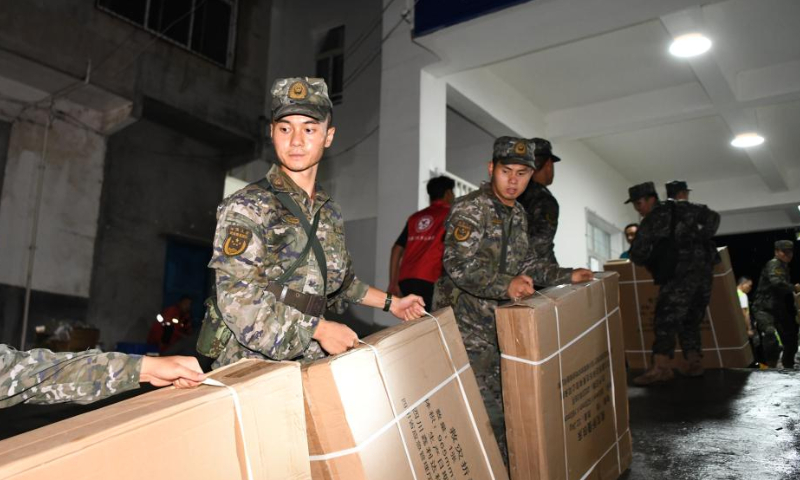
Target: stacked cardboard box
<point>724,332</point>
<point>405,407</point>
<point>564,386</point>
<point>172,434</point>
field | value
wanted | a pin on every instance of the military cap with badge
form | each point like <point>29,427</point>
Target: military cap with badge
<point>784,245</point>
<point>513,150</point>
<point>300,96</point>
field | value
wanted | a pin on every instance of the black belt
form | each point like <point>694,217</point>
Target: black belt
<point>307,303</point>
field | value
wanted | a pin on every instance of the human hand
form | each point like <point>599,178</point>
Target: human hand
<point>183,372</point>
<point>520,286</point>
<point>580,275</point>
<point>750,333</point>
<point>335,338</point>
<point>797,287</point>
<point>394,289</point>
<point>407,308</point>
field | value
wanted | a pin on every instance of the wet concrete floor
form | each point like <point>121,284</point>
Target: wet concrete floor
<point>729,424</point>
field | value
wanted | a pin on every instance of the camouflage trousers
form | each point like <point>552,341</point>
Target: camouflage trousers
<point>786,328</point>
<point>680,309</point>
<point>485,364</point>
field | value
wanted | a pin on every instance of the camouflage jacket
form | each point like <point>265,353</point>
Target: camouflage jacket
<point>44,377</point>
<point>256,240</point>
<point>774,291</point>
<point>695,226</point>
<point>542,209</point>
<point>477,271</point>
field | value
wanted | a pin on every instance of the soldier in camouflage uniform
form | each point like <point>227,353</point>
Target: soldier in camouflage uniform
<point>774,309</point>
<point>44,377</point>
<point>259,239</point>
<point>542,209</point>
<point>684,296</point>
<point>487,260</point>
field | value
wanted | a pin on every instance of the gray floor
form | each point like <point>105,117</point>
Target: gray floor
<point>730,424</point>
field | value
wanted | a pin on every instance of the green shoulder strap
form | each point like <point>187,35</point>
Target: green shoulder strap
<point>311,233</point>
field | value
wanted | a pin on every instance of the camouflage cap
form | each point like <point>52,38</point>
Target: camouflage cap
<point>511,150</point>
<point>646,189</point>
<point>784,245</point>
<point>676,186</point>
<point>543,149</point>
<point>300,96</point>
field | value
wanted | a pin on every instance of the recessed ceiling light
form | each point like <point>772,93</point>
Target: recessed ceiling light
<point>690,45</point>
<point>746,140</point>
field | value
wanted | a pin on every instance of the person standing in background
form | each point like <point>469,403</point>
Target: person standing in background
<point>630,233</point>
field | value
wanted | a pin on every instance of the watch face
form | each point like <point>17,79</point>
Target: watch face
<point>424,223</point>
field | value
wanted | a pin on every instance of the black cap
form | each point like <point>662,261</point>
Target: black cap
<point>784,245</point>
<point>646,189</point>
<point>543,149</point>
<point>676,186</point>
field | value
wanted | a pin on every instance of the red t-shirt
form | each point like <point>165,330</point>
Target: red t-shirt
<point>424,243</point>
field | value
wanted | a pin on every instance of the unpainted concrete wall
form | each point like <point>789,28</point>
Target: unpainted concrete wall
<point>158,184</point>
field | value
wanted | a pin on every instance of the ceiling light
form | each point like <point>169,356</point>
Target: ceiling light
<point>690,45</point>
<point>746,140</point>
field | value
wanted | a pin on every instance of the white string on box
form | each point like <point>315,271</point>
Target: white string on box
<point>391,404</point>
<point>650,280</point>
<point>638,313</point>
<point>613,387</point>
<point>237,406</point>
<point>714,334</point>
<point>464,396</point>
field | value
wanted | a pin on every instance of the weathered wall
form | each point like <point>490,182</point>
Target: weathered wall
<point>157,184</point>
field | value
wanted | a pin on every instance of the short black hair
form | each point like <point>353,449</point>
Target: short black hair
<point>629,226</point>
<point>744,278</point>
<point>438,186</point>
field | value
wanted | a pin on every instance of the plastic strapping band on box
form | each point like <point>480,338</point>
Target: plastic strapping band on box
<point>464,396</point>
<point>237,406</point>
<point>722,349</point>
<point>391,404</point>
<point>611,370</point>
<point>638,313</point>
<point>714,334</point>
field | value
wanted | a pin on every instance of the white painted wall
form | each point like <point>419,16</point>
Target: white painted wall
<point>69,209</point>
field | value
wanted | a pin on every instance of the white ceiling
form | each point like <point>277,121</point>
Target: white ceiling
<point>603,76</point>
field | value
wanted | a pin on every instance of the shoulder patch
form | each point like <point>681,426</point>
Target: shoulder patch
<point>462,231</point>
<point>237,239</point>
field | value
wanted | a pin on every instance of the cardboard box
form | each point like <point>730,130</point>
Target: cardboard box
<point>406,407</point>
<point>723,330</point>
<point>173,434</point>
<point>564,385</point>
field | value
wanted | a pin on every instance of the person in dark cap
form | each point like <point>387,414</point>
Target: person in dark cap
<point>674,242</point>
<point>774,309</point>
<point>487,260</point>
<point>678,190</point>
<point>542,208</point>
<point>279,250</point>
<point>643,197</point>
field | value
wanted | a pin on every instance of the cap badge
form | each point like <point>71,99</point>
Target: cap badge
<point>520,148</point>
<point>298,91</point>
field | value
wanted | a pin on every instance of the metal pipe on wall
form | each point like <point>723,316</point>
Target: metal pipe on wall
<point>35,230</point>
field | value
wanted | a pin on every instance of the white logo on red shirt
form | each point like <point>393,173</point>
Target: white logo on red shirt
<point>424,223</point>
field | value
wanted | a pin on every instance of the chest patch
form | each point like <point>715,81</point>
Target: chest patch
<point>236,241</point>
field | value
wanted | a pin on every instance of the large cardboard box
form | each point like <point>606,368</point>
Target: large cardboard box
<point>564,386</point>
<point>723,330</point>
<point>173,434</point>
<point>405,407</point>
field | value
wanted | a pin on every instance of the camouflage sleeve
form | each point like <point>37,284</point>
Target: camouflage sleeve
<point>258,321</point>
<point>711,224</point>
<point>778,279</point>
<point>352,290</point>
<point>545,271</point>
<point>44,377</point>
<point>471,268</point>
<point>652,228</point>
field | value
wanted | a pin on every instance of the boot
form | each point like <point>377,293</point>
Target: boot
<point>658,373</point>
<point>694,365</point>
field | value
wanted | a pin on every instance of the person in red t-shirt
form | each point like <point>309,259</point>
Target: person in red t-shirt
<point>173,324</point>
<point>416,260</point>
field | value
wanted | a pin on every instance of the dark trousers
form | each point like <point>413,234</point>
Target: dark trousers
<point>680,309</point>
<point>788,329</point>
<point>415,286</point>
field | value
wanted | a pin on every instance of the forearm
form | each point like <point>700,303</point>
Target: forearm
<point>261,323</point>
<point>394,264</point>
<point>44,377</point>
<point>374,298</point>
